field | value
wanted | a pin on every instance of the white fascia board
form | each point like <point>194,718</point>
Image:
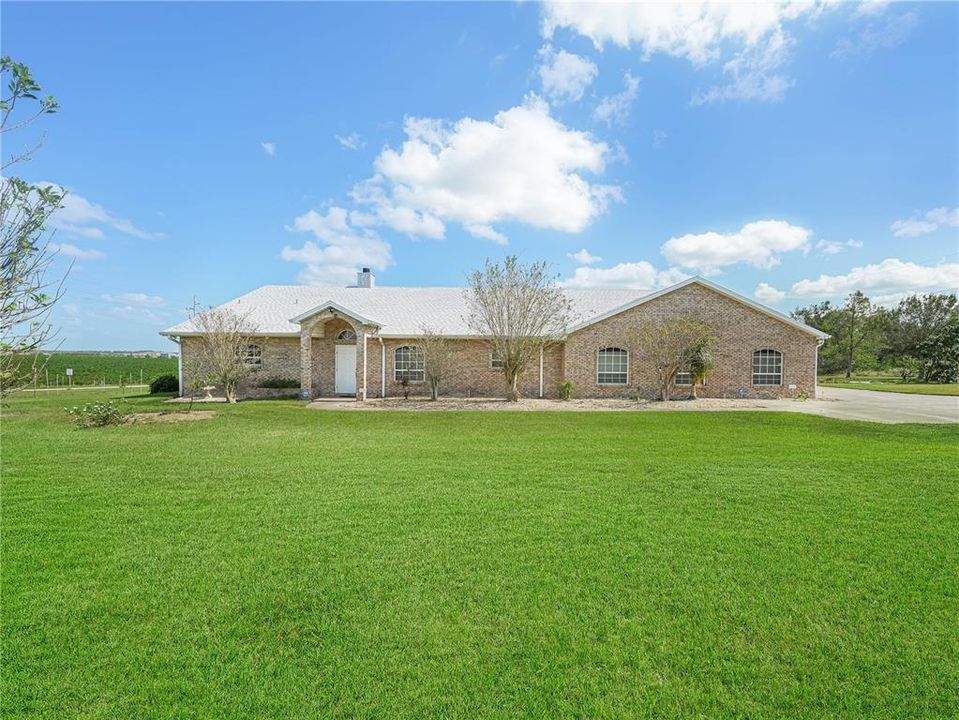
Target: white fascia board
<point>330,305</point>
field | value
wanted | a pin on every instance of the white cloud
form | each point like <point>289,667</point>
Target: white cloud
<point>756,243</point>
<point>269,148</point>
<point>766,293</point>
<point>930,222</point>
<point>615,108</point>
<point>832,247</point>
<point>889,278</point>
<point>402,219</point>
<point>524,166</point>
<point>138,299</point>
<point>752,74</point>
<point>692,30</point>
<point>486,232</point>
<point>870,8</point>
<point>73,251</point>
<point>659,139</point>
<point>699,31</point>
<point>565,76</point>
<point>82,218</point>
<point>342,247</point>
<point>640,275</point>
<point>584,257</point>
<point>886,34</point>
<point>351,142</point>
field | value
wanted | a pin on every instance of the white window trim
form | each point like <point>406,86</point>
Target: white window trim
<point>397,370</point>
<point>612,384</point>
<point>782,369</point>
<point>683,372</point>
<point>491,365</point>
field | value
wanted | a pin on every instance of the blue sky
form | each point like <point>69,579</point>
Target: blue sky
<point>791,153</point>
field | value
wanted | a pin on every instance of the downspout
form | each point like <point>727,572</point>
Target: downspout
<point>364,365</point>
<point>541,371</point>
<point>179,365</point>
<point>815,382</point>
<point>382,368</point>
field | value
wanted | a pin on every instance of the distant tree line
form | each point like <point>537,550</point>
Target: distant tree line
<point>918,338</point>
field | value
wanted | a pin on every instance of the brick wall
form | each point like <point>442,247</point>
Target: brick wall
<point>471,375</point>
<point>280,358</point>
<point>740,330</point>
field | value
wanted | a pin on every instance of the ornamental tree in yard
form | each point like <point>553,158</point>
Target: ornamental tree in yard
<point>672,345</point>
<point>520,310</point>
<point>437,359</point>
<point>222,348</point>
<point>27,294</point>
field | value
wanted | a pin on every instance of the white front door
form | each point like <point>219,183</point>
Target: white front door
<point>345,373</point>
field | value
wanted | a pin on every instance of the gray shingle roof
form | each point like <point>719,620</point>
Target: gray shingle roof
<point>405,311</point>
<point>399,311</point>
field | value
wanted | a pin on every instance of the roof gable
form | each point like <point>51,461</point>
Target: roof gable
<point>696,280</point>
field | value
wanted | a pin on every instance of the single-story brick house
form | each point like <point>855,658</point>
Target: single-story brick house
<point>361,341</point>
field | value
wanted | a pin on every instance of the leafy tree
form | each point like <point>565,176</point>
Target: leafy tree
<point>437,359</point>
<point>700,363</point>
<point>855,333</point>
<point>520,310</point>
<point>221,348</point>
<point>938,355</point>
<point>27,295</point>
<point>672,345</point>
<point>858,330</point>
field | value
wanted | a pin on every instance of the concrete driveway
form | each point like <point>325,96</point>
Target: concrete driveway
<point>883,407</point>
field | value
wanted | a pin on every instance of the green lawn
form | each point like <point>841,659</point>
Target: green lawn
<point>276,562</point>
<point>898,387</point>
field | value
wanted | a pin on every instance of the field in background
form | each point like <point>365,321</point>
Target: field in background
<point>101,368</point>
<point>476,565</point>
<point>885,382</point>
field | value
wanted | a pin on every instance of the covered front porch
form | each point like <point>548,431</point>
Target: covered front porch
<point>334,352</point>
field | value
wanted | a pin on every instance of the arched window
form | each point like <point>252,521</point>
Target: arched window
<point>346,336</point>
<point>408,363</point>
<point>253,355</point>
<point>612,366</point>
<point>767,367</point>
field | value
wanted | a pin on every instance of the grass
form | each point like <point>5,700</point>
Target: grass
<point>279,562</point>
<point>100,368</point>
<point>889,384</point>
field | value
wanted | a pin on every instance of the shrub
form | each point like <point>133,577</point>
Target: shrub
<point>566,390</point>
<point>98,414</point>
<point>164,383</point>
<point>279,383</point>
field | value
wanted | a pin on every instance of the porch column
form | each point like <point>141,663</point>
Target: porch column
<point>306,358</point>
<point>361,335</point>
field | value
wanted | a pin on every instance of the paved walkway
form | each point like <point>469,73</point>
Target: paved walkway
<point>883,407</point>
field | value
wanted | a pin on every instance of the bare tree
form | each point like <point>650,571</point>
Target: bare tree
<point>222,347</point>
<point>671,346</point>
<point>26,294</point>
<point>520,310</point>
<point>437,359</point>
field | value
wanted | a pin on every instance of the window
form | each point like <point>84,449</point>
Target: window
<point>684,378</point>
<point>767,367</point>
<point>495,361</point>
<point>612,367</point>
<point>408,363</point>
<point>253,355</point>
<point>346,336</point>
